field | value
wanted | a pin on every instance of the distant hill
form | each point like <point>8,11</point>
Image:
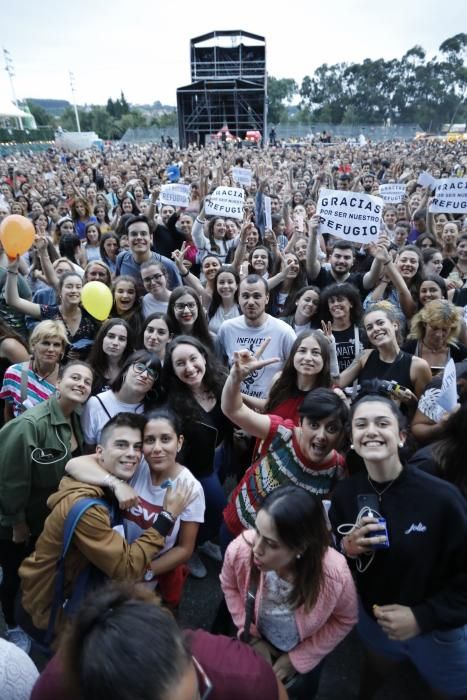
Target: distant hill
<point>55,107</point>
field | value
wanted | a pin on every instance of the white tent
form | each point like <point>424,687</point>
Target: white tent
<point>8,109</point>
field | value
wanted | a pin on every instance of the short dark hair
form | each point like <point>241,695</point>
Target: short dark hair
<point>136,421</point>
<point>136,218</point>
<point>254,279</point>
<point>322,403</point>
<point>340,244</point>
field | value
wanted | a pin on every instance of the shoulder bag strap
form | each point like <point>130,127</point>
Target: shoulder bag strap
<point>250,602</point>
<point>103,406</point>
<point>24,381</point>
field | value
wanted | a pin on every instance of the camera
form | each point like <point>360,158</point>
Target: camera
<point>390,388</point>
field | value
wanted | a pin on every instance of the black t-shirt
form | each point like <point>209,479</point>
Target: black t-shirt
<point>345,347</point>
<point>326,278</point>
<point>165,241</point>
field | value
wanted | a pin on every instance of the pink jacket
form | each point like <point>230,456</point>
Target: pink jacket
<point>331,619</point>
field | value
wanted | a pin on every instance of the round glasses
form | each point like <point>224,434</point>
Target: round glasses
<point>141,368</point>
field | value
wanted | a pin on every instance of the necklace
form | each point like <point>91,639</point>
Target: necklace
<point>380,493</point>
<point>434,350</point>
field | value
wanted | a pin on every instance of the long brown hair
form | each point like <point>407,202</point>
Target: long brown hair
<point>286,385</point>
<point>301,526</point>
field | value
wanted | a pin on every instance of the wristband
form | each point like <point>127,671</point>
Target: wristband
<point>386,263</point>
<point>12,272</point>
<point>163,525</point>
<point>185,275</point>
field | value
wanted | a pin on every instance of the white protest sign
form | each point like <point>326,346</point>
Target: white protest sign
<point>267,212</point>
<point>353,216</point>
<point>450,196</point>
<point>242,176</point>
<point>175,195</point>
<point>225,201</point>
<point>427,180</point>
<point>392,193</point>
<point>448,396</point>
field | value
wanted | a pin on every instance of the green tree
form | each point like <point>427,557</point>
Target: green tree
<point>279,91</point>
<point>42,117</point>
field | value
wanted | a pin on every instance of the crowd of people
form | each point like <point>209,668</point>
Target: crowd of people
<point>267,396</point>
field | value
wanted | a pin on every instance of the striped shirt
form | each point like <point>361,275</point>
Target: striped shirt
<point>282,462</point>
<point>38,389</point>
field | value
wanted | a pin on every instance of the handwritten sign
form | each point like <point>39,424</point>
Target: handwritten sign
<point>450,196</point>
<point>392,193</point>
<point>427,180</point>
<point>353,216</point>
<point>225,201</point>
<point>175,195</point>
<point>448,396</point>
<point>267,212</point>
<point>242,176</point>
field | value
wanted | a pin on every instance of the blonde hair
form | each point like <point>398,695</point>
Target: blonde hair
<point>390,311</point>
<point>48,329</point>
<point>438,312</point>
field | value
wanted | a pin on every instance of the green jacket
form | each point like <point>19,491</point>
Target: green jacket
<point>34,449</point>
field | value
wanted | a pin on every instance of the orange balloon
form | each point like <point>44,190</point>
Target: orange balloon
<point>17,234</point>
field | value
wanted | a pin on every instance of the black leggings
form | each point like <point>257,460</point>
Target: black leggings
<point>11,556</point>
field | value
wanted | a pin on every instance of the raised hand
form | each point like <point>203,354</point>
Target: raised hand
<point>245,362</point>
<point>176,499</point>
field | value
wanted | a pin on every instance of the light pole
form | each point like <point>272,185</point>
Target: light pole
<point>11,74</point>
<point>72,86</point>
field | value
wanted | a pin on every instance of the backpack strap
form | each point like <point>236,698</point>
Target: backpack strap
<point>71,521</point>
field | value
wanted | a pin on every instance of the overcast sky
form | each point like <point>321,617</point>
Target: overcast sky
<point>143,47</point>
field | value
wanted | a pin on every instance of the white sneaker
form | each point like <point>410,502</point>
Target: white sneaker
<point>211,550</point>
<point>196,566</point>
<point>18,636</point>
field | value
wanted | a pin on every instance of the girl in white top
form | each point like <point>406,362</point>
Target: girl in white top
<point>224,303</point>
<point>215,241</point>
<point>137,376</point>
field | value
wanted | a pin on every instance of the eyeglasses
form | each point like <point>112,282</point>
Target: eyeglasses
<point>204,684</point>
<point>141,368</point>
<point>154,278</point>
<point>180,307</point>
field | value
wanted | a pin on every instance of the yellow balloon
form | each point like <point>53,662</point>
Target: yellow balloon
<point>96,298</point>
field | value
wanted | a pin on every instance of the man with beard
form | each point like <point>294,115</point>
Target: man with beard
<point>251,330</point>
<point>341,262</point>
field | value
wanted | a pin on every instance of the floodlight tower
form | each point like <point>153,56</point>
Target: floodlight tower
<point>11,74</point>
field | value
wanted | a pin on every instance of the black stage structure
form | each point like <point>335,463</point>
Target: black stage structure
<point>228,89</point>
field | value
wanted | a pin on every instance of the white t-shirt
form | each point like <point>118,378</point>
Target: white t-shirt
<point>95,416</point>
<point>220,316</point>
<point>152,306</point>
<point>236,335</point>
<point>141,517</point>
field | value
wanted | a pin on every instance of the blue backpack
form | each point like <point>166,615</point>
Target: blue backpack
<point>89,578</point>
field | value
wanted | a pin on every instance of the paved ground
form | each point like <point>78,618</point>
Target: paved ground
<point>340,678</point>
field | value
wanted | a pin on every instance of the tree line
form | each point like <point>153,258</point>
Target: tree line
<point>109,121</point>
<point>412,89</point>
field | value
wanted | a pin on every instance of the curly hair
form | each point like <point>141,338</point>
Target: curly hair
<point>439,312</point>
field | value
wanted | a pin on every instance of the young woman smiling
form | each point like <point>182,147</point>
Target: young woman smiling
<point>126,303</point>
<point>386,360</point>
<point>412,592</point>
<point>156,335</point>
<point>193,382</point>
<point>114,342</point>
<point>224,303</point>
<point>301,309</point>
<point>128,392</point>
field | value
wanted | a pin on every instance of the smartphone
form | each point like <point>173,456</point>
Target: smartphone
<point>368,501</point>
